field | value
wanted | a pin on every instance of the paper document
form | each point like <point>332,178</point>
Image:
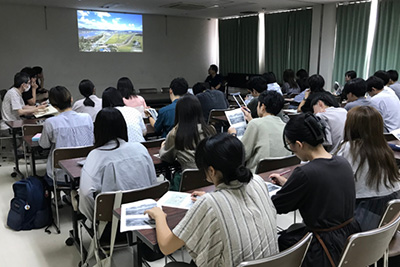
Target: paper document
<point>133,217</point>
<point>49,110</point>
<point>272,188</point>
<point>176,200</point>
<point>396,133</point>
<point>236,119</point>
<point>152,112</point>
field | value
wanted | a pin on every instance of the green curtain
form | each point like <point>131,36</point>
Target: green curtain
<point>287,41</point>
<point>386,50</point>
<point>238,45</point>
<point>351,40</point>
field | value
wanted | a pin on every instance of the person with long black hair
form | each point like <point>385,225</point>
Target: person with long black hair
<point>235,223</point>
<point>130,97</point>
<point>91,104</point>
<point>322,190</point>
<point>114,164</point>
<point>190,128</point>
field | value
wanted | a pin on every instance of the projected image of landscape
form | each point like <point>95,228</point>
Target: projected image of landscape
<point>109,32</point>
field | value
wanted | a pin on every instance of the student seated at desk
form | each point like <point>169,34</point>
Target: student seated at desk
<point>322,190</point>
<point>263,135</point>
<point>131,99</point>
<point>91,104</point>
<point>334,117</point>
<point>114,164</point>
<point>316,86</point>
<point>375,171</point>
<point>190,128</point>
<point>235,223</point>
<point>68,129</point>
<point>166,116</point>
<point>134,122</point>
<point>13,105</point>
<point>355,91</point>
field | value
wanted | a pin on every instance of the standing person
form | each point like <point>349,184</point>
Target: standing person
<point>375,171</point>
<point>13,106</point>
<point>322,190</point>
<point>134,121</point>
<point>209,99</point>
<point>166,116</point>
<point>115,164</point>
<point>91,104</point>
<point>68,129</point>
<point>214,79</point>
<point>385,102</point>
<point>131,99</point>
<point>235,223</point>
<point>355,91</point>
<point>263,135</point>
<point>190,128</point>
<point>290,85</point>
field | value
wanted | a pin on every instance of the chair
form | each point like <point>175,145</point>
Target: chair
<point>192,179</point>
<point>270,164</point>
<point>392,208</point>
<point>148,91</point>
<point>105,204</point>
<point>217,117</point>
<point>389,137</point>
<point>61,154</point>
<point>292,257</point>
<point>366,248</point>
<point>29,130</point>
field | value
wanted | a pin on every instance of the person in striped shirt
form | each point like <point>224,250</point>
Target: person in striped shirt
<point>235,223</point>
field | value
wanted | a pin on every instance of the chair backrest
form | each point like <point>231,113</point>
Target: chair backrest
<point>165,90</point>
<point>392,209</point>
<point>148,90</point>
<point>70,153</point>
<point>389,137</point>
<point>192,179</point>
<point>366,248</point>
<point>216,113</point>
<point>292,256</point>
<point>104,203</point>
<point>31,129</point>
<point>265,165</point>
<point>153,143</point>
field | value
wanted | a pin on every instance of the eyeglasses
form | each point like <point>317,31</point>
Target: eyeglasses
<point>286,143</point>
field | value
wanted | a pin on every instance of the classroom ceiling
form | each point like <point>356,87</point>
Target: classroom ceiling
<point>187,8</point>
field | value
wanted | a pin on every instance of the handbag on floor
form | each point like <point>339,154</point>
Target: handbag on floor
<point>31,206</point>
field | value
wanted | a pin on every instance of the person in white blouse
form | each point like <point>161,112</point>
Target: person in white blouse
<point>136,128</point>
<point>91,104</point>
<point>114,164</point>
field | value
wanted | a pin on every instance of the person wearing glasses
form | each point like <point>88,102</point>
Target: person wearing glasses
<point>323,190</point>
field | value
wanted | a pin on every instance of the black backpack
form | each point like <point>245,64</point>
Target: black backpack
<point>31,206</point>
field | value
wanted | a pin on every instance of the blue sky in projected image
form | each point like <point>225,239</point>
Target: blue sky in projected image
<point>109,21</point>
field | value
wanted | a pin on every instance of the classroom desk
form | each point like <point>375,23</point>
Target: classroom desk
<point>33,145</point>
<point>16,127</point>
<point>148,237</point>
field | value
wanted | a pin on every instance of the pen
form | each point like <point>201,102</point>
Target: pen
<point>284,172</point>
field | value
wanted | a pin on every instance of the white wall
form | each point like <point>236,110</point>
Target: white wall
<point>173,46</point>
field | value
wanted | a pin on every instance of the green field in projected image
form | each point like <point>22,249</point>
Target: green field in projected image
<point>110,41</point>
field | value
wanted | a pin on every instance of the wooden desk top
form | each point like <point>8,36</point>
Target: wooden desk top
<point>73,169</point>
<point>29,142</point>
<point>18,124</point>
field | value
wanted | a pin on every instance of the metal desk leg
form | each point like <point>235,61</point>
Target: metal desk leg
<point>16,167</point>
<point>137,253</point>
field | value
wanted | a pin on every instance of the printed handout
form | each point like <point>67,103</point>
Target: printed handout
<point>133,217</point>
<point>176,200</point>
<point>236,119</point>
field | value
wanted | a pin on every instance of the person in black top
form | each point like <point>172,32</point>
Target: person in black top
<point>209,99</point>
<point>214,79</point>
<point>316,83</point>
<point>323,190</point>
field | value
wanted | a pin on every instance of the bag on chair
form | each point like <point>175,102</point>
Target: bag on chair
<point>31,206</point>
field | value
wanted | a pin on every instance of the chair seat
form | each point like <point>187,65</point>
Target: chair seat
<point>394,246</point>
